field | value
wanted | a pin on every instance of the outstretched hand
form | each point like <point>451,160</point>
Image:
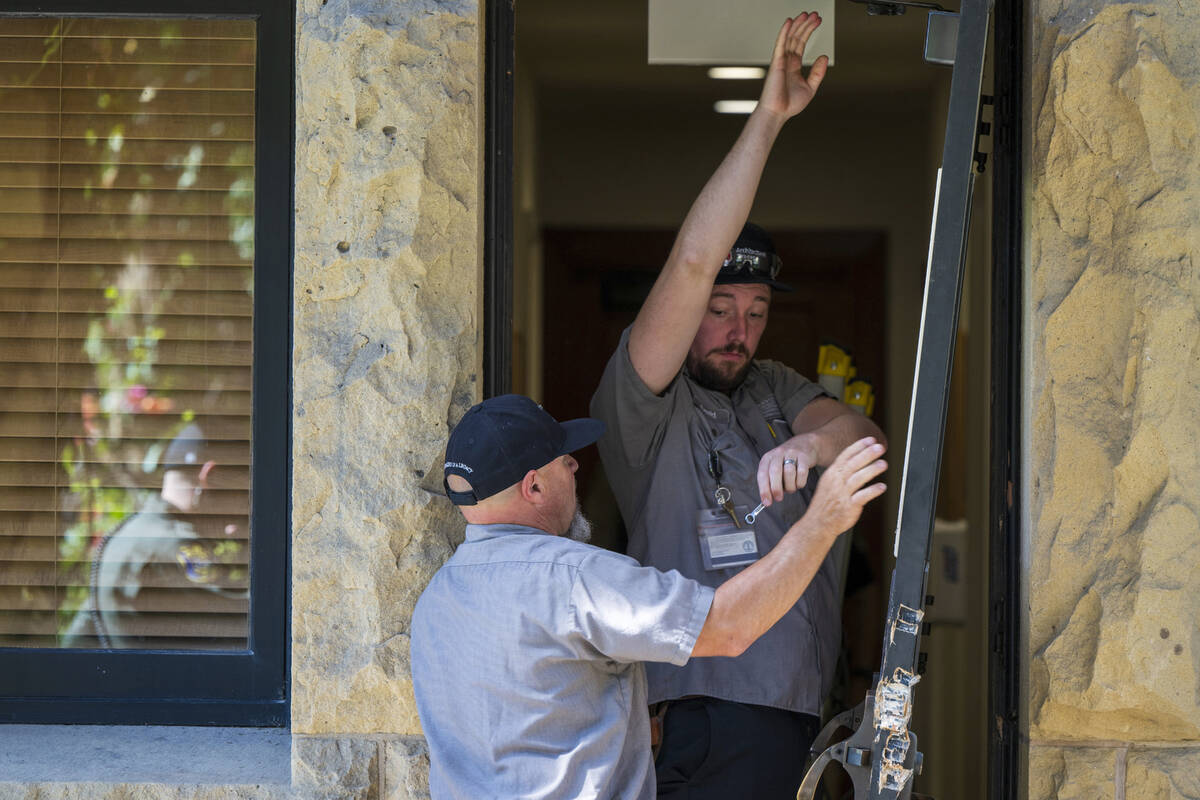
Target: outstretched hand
<point>786,90</point>
<point>843,489</point>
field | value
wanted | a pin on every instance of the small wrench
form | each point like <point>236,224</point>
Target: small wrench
<point>753,515</point>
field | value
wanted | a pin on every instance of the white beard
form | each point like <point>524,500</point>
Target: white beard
<point>581,528</point>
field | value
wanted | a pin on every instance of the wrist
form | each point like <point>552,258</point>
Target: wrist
<point>812,527</point>
<point>810,446</point>
<point>772,119</point>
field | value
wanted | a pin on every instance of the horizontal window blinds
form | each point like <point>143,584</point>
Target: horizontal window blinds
<point>126,271</point>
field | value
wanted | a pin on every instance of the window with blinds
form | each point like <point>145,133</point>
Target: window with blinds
<point>127,180</point>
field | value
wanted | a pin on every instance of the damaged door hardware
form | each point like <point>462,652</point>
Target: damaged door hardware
<point>881,754</point>
<point>894,8</point>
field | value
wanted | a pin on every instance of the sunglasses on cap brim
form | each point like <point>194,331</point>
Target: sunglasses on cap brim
<point>756,262</point>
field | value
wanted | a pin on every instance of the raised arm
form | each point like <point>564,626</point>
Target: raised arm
<point>668,320</point>
<point>749,603</point>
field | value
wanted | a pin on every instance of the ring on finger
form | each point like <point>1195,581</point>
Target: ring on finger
<point>791,461</point>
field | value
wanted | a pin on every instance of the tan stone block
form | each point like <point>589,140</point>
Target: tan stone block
<point>1071,531</point>
<point>349,674</point>
<point>140,791</point>
<point>311,490</point>
<point>1099,138</point>
<point>1167,112</point>
<point>1113,575</point>
<point>1071,655</point>
<point>1086,346</point>
<point>1169,351</point>
<point>1123,667</point>
<point>1115,299</point>
<point>1072,773</point>
<point>1170,774</point>
<point>1113,145</point>
<point>1170,558</point>
<point>1139,477</point>
<point>342,768</point>
<point>406,773</point>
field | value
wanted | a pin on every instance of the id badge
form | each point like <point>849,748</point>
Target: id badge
<point>722,543</point>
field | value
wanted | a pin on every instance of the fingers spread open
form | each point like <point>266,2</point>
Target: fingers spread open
<point>866,473</point>
<point>781,40</point>
<point>858,454</point>
<point>798,36</point>
<point>864,496</point>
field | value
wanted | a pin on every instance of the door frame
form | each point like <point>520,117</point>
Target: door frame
<point>1005,576</point>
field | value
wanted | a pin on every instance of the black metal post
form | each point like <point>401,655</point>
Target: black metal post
<point>1004,655</point>
<point>892,743</point>
<point>499,45</point>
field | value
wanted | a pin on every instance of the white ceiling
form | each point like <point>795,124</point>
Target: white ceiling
<point>589,45</point>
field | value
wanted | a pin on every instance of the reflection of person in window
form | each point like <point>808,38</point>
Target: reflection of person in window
<point>157,580</point>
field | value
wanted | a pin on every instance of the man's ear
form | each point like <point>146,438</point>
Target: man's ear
<point>532,490</point>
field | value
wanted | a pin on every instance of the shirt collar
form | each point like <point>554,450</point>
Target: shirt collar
<point>479,533</point>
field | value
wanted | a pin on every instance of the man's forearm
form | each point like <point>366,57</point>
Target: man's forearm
<point>832,437</point>
<point>668,320</point>
<point>717,215</point>
<point>749,603</point>
<point>827,426</point>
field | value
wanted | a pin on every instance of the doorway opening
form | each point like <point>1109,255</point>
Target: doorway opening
<point>607,154</point>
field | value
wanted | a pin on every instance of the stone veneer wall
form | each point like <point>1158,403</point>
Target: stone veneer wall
<point>386,294</point>
<point>1113,295</point>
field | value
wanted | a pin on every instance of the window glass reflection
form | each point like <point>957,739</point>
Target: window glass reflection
<point>126,318</point>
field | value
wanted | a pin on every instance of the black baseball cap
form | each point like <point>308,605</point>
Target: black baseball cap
<point>752,260</point>
<point>189,448</point>
<point>499,440</point>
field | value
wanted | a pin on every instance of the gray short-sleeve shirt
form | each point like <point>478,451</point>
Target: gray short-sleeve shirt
<point>656,452</point>
<point>526,664</point>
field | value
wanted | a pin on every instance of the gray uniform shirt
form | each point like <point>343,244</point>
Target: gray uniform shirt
<point>159,550</point>
<point>526,651</point>
<point>656,454</point>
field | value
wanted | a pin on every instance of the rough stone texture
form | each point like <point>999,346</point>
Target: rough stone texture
<point>139,791</point>
<point>406,769</point>
<point>1164,774</point>
<point>386,276</point>
<point>1114,572</point>
<point>1072,773</point>
<point>346,769</point>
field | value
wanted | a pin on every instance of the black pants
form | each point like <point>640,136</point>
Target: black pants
<point>723,750</point>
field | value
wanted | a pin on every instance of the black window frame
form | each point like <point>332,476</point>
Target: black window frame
<point>247,687</point>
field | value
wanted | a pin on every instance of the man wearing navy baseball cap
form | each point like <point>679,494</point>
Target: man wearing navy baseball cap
<point>500,443</point>
<point>527,645</point>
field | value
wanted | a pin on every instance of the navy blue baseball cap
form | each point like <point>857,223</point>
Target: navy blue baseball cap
<point>752,260</point>
<point>499,440</point>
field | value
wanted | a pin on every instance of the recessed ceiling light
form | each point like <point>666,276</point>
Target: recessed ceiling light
<point>735,106</point>
<point>736,73</point>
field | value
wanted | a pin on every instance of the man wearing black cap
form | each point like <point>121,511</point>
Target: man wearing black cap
<point>159,552</point>
<point>526,647</point>
<point>699,433</point>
